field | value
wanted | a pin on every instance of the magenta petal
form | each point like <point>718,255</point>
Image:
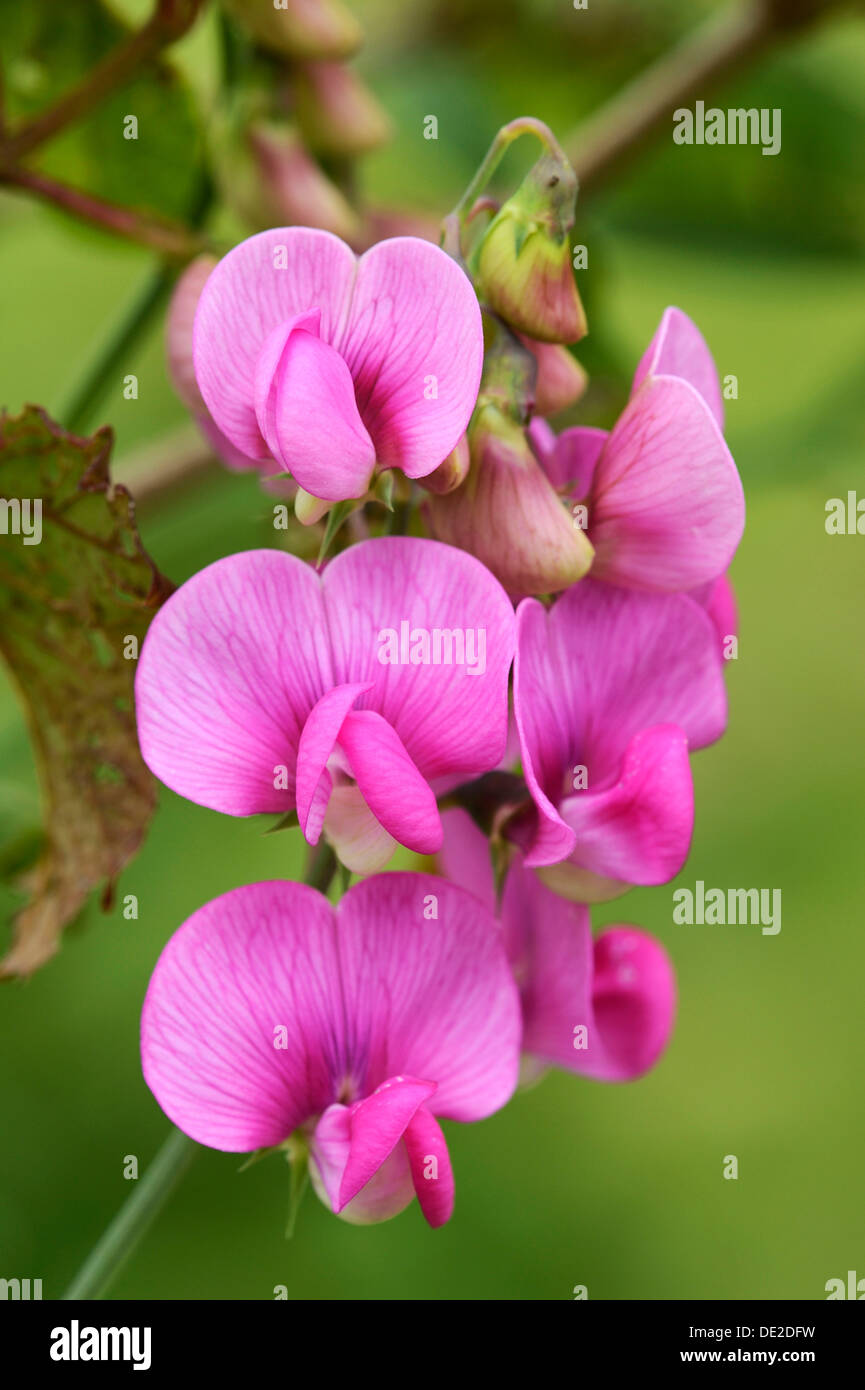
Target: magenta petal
<point>431,1169</point>
<point>428,991</point>
<point>225,451</point>
<point>639,830</point>
<point>319,735</point>
<point>264,282</point>
<point>719,600</point>
<point>266,365</point>
<point>257,959</point>
<point>230,669</point>
<point>451,721</point>
<point>545,716</point>
<point>679,349</point>
<point>569,461</point>
<point>320,437</point>
<point>389,1190</point>
<point>377,1125</point>
<point>634,998</point>
<point>465,856</point>
<point>667,509</point>
<point>414,344</point>
<point>393,789</point>
<point>603,1009</point>
<point>605,666</point>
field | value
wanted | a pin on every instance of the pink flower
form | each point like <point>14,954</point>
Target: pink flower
<point>334,366</point>
<point>663,496</point>
<point>611,690</point>
<point>264,686</point>
<point>270,1011</point>
<point>602,1008</point>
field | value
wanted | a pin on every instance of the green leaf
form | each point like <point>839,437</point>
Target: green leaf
<point>50,48</point>
<point>77,592</point>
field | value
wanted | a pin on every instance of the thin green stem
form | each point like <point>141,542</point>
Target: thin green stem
<point>523,125</point>
<point>135,1217</point>
<point>100,371</point>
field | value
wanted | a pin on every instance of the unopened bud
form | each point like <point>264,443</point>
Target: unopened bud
<point>508,515</point>
<point>560,381</point>
<point>300,28</point>
<point>293,189</point>
<point>522,264</point>
<point>337,114</point>
<point>451,473</point>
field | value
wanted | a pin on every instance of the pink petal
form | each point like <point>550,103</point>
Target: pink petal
<point>319,735</point>
<point>257,959</point>
<point>230,669</point>
<point>431,1169</point>
<point>359,841</point>
<point>679,349</point>
<point>719,600</point>
<point>634,997</point>
<point>667,509</point>
<point>465,856</point>
<point>639,830</point>
<point>396,793</point>
<point>414,344</point>
<point>569,461</point>
<point>604,666</point>
<point>620,988</point>
<point>245,298</point>
<point>377,1125</point>
<point>388,1192</point>
<point>429,995</point>
<point>225,451</point>
<point>268,1006</point>
<point>449,721</point>
<point>266,365</point>
<point>320,437</point>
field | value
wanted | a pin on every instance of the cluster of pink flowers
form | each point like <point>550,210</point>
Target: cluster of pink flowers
<point>274,1016</point>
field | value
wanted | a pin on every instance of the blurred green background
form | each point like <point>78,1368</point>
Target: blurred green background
<point>618,1188</point>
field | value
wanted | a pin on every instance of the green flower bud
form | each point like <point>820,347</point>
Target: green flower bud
<point>508,515</point>
<point>522,264</point>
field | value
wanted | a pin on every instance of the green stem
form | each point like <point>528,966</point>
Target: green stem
<point>149,297</point>
<point>523,125</point>
<point>134,1218</point>
<point>97,374</point>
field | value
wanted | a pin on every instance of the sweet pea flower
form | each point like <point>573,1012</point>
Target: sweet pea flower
<point>663,498</point>
<point>271,1013</point>
<point>264,686</point>
<point>334,366</point>
<point>601,1008</point>
<point>612,688</point>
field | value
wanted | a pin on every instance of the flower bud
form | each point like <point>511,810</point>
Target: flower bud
<point>178,332</point>
<point>451,473</point>
<point>300,28</point>
<point>507,514</point>
<point>293,190</point>
<point>561,380</point>
<point>522,264</point>
<point>337,114</point>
